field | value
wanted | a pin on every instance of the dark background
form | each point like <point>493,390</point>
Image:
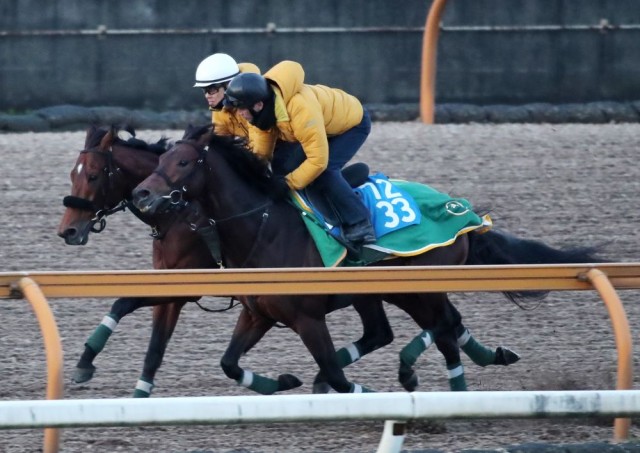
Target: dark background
<point>490,51</point>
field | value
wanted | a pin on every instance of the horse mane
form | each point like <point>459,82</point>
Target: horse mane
<point>243,161</point>
<point>97,134</point>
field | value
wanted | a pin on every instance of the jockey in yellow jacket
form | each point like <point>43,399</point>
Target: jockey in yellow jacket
<point>213,75</point>
<point>329,124</point>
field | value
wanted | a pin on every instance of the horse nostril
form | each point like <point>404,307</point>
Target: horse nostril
<point>69,232</point>
<point>140,194</point>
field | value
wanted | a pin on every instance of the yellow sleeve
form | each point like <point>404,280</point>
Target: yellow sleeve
<point>307,124</point>
<point>262,142</point>
<point>220,119</point>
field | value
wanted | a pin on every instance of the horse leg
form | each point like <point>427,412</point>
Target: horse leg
<point>98,339</point>
<point>408,357</point>
<point>447,344</point>
<point>250,328</point>
<point>434,313</point>
<point>376,334</point>
<point>480,354</point>
<point>165,318</point>
<point>316,337</point>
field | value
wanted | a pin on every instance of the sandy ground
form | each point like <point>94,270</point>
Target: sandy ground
<point>564,184</point>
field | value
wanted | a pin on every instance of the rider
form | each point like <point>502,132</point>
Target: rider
<point>213,75</point>
<point>330,125</point>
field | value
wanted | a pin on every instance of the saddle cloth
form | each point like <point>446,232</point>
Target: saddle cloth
<point>420,219</point>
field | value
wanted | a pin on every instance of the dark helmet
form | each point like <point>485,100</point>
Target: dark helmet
<point>245,90</point>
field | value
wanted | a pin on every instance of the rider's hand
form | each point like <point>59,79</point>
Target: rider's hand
<point>280,188</point>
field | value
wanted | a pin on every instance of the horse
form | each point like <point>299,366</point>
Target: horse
<point>102,179</point>
<point>105,172</point>
<point>256,230</point>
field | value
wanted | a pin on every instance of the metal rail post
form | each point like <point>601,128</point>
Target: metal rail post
<point>429,53</point>
<point>623,342</point>
<point>53,347</point>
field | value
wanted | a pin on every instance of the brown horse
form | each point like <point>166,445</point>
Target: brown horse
<point>254,230</point>
<point>102,180</point>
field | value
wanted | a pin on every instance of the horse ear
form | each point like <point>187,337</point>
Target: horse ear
<point>130,129</point>
<point>108,138</point>
<point>91,130</point>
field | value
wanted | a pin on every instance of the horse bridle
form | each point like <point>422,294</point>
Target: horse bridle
<point>209,231</point>
<point>83,204</point>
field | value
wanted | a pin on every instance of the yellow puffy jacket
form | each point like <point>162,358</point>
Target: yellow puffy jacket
<point>227,121</point>
<point>308,114</point>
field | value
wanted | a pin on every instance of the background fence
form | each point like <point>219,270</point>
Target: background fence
<point>143,54</point>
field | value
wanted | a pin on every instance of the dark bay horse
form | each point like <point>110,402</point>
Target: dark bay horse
<point>102,179</point>
<point>234,186</point>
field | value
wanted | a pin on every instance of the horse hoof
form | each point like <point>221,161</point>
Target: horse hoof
<point>288,382</point>
<point>81,375</point>
<point>505,356</point>
<point>410,383</point>
<point>321,387</point>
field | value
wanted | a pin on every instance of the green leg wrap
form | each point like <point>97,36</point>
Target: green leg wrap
<point>99,337</point>
<point>257,383</point>
<point>417,346</point>
<point>347,355</point>
<point>456,378</point>
<point>143,388</point>
<point>477,352</point>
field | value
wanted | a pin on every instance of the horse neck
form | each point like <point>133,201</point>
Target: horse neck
<point>248,238</point>
<point>135,164</point>
<point>237,207</point>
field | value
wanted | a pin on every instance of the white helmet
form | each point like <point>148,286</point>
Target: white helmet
<point>216,68</point>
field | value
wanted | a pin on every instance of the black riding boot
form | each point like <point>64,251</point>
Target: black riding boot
<point>353,214</point>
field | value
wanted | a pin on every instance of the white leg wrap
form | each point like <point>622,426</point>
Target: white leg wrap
<point>353,352</point>
<point>427,339</point>
<point>457,371</point>
<point>144,386</point>
<point>247,379</point>
<point>462,339</point>
<point>357,388</point>
<point>109,322</point>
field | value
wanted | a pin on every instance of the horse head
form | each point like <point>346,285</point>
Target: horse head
<point>176,176</point>
<point>102,178</point>
<point>215,170</point>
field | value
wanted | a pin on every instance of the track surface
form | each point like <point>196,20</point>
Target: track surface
<point>564,184</point>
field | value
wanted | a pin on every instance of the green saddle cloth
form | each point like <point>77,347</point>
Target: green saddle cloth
<point>443,220</point>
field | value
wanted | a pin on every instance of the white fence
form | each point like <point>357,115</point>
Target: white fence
<point>218,410</point>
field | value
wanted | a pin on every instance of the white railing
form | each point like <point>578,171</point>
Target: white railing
<point>395,408</point>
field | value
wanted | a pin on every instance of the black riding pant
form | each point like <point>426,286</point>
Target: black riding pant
<point>288,156</point>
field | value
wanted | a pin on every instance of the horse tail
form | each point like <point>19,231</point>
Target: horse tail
<point>499,247</point>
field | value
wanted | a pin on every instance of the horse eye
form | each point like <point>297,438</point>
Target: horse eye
<point>93,177</point>
<point>183,163</point>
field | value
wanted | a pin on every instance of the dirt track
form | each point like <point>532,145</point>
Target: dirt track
<point>564,184</point>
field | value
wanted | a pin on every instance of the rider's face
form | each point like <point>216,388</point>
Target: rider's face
<point>246,113</point>
<point>214,94</point>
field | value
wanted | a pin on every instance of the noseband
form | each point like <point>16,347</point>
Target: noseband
<point>83,204</point>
